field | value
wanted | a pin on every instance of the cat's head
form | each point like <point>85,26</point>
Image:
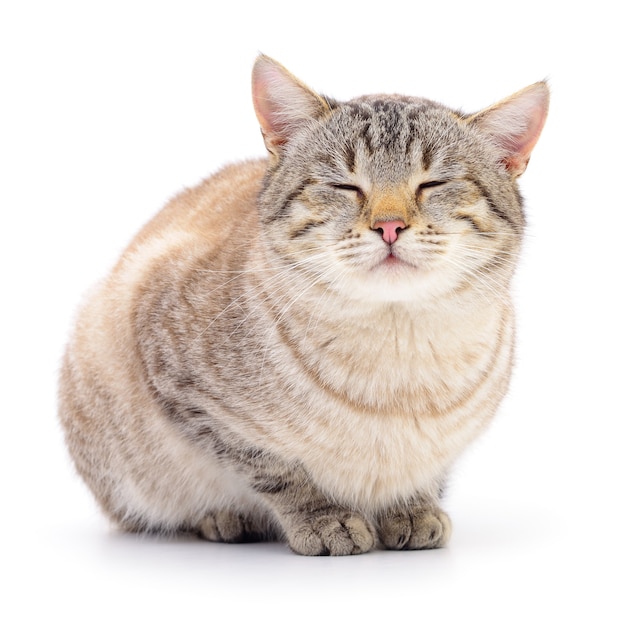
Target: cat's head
<point>393,198</point>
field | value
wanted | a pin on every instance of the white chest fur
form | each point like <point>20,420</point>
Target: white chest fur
<point>388,404</point>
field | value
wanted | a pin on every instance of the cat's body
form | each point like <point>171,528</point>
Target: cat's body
<point>302,348</point>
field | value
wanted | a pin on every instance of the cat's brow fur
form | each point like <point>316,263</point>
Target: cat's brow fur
<point>263,362</point>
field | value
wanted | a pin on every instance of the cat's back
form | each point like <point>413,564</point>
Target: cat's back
<point>201,223</point>
<point>196,224</point>
<point>210,212</point>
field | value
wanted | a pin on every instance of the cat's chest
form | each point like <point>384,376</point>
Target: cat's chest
<point>396,361</point>
<point>387,415</point>
<point>374,458</point>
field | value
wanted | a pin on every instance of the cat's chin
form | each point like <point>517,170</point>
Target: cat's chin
<point>394,280</point>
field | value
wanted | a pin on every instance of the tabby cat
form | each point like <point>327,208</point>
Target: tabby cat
<point>300,347</point>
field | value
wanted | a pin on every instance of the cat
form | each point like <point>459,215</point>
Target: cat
<point>300,347</point>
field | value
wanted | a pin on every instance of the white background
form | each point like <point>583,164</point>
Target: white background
<point>109,108</point>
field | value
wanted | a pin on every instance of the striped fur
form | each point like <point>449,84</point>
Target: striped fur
<point>263,363</point>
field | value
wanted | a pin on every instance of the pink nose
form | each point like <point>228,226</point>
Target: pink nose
<point>390,230</point>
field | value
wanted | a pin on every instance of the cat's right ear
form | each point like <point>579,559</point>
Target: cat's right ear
<point>282,103</point>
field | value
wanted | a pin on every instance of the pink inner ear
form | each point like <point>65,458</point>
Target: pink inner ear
<point>275,100</point>
<point>524,143</point>
<point>279,101</point>
<point>516,124</point>
<point>282,103</point>
<point>262,103</point>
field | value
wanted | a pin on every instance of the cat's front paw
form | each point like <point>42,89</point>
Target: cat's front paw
<point>419,528</point>
<point>331,532</point>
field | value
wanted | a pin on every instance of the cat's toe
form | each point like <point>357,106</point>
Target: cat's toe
<point>431,528</point>
<point>228,527</point>
<point>332,534</point>
<point>419,529</point>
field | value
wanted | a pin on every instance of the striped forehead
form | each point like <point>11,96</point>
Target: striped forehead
<point>392,126</point>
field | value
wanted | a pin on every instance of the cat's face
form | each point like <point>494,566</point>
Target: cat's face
<point>393,199</point>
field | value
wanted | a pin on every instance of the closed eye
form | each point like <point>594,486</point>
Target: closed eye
<point>431,183</point>
<point>345,187</point>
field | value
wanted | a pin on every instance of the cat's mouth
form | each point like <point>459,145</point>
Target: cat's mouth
<point>393,260</point>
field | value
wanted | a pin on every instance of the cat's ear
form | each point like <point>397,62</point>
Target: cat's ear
<point>515,124</point>
<point>282,103</point>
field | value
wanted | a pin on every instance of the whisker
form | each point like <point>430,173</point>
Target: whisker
<point>322,304</point>
<point>485,281</point>
<point>280,274</point>
<point>256,295</point>
<point>281,313</point>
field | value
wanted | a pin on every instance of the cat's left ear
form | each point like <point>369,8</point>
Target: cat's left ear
<point>282,103</point>
<point>515,125</point>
